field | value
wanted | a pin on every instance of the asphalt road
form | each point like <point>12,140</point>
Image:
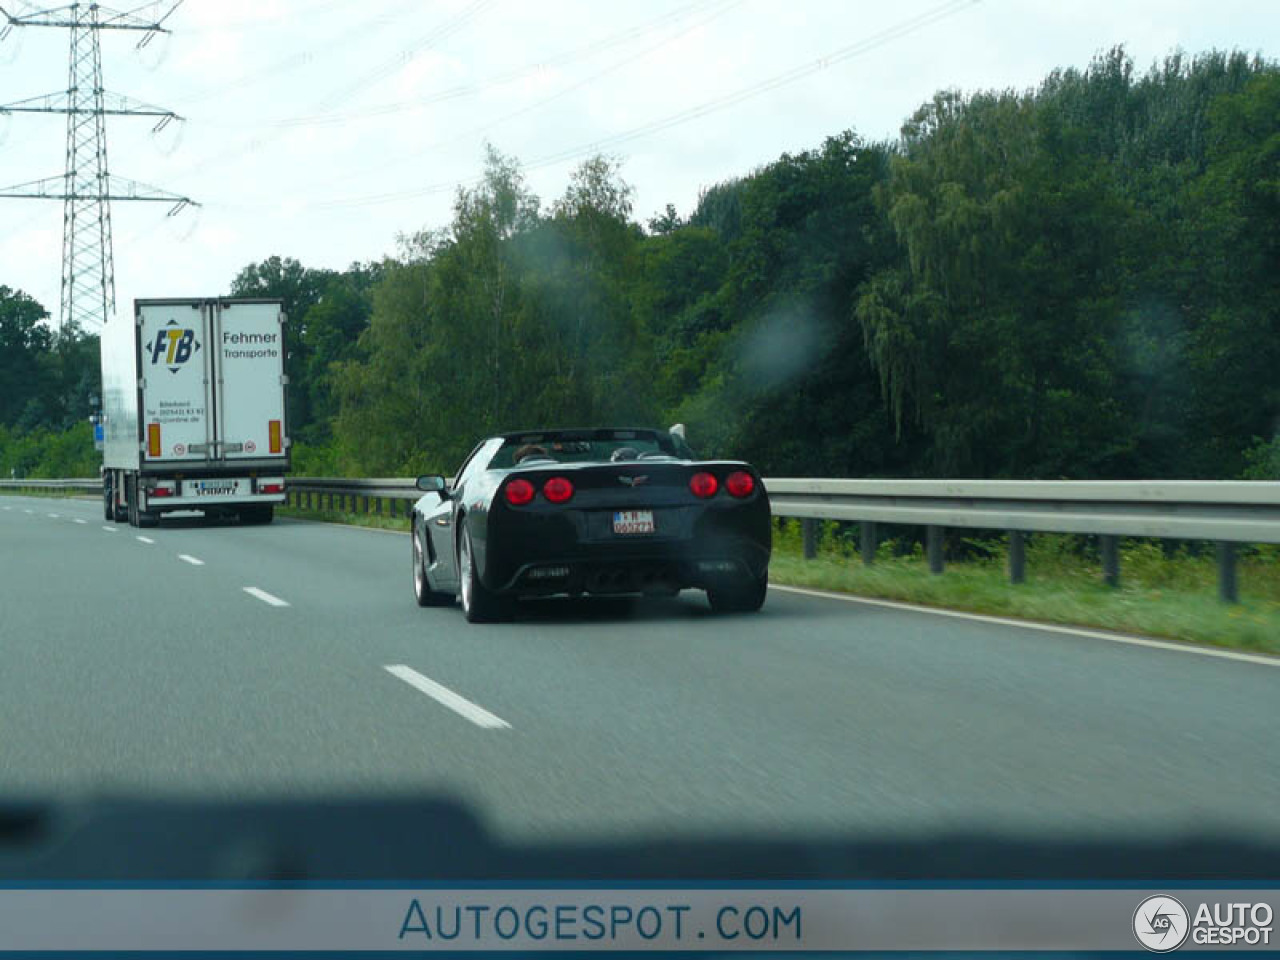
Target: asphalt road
<point>227,662</point>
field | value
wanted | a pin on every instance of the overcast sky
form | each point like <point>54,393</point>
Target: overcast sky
<point>321,130</point>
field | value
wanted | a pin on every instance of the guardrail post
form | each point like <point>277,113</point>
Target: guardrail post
<point>391,506</point>
<point>1227,591</point>
<point>1110,559</point>
<point>809,531</point>
<point>1017,556</point>
<point>308,499</point>
<point>867,541</point>
<point>933,539</point>
<point>377,505</point>
<point>365,507</point>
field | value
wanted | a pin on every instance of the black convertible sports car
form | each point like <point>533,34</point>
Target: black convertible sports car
<point>607,511</point>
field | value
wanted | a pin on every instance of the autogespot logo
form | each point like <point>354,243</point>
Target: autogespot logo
<point>1161,923</point>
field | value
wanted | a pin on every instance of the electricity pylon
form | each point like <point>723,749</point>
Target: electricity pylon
<point>87,187</point>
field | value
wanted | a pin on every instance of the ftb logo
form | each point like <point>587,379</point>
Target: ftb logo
<point>1161,923</point>
<point>175,344</point>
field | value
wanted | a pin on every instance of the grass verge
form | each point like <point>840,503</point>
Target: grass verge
<point>378,521</point>
<point>1161,594</point>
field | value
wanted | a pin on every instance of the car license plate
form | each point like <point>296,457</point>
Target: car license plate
<point>633,521</point>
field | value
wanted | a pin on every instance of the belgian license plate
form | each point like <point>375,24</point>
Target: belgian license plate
<point>633,521</point>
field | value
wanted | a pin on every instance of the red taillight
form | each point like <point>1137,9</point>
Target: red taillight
<point>557,490</point>
<point>740,483</point>
<point>704,485</point>
<point>159,492</point>
<point>518,492</point>
<point>271,488</point>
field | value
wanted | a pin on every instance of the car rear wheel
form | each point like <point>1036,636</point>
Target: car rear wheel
<point>422,591</point>
<point>745,598</point>
<point>479,604</point>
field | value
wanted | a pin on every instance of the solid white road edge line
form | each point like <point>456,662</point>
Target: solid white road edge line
<point>266,597</point>
<point>1046,627</point>
<point>194,561</point>
<point>443,695</point>
<point>144,539</point>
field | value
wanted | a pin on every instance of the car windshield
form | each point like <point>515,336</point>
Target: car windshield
<point>585,447</point>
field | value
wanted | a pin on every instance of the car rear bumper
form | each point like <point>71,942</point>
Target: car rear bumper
<point>548,554</point>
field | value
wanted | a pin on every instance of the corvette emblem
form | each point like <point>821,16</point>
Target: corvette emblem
<point>633,481</point>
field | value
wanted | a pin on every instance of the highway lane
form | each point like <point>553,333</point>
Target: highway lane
<point>129,668</point>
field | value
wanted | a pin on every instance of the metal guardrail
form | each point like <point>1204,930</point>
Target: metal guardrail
<point>1224,512</point>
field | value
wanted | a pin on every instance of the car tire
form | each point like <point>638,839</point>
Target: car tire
<point>479,603</point>
<point>422,591</point>
<point>746,598</point>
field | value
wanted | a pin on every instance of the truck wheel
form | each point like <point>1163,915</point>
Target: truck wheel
<point>479,604</point>
<point>746,598</point>
<point>108,498</point>
<point>257,514</point>
<point>131,501</point>
<point>422,591</point>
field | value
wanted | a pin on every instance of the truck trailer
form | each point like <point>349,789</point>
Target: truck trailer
<point>193,410</point>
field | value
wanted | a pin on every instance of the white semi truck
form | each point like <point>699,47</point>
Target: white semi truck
<point>193,410</point>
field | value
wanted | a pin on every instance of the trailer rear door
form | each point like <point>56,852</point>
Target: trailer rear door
<point>174,361</point>
<point>251,379</point>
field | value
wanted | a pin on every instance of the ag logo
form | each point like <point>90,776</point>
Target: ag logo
<point>176,344</point>
<point>1161,923</point>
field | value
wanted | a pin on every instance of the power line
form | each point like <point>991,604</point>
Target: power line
<point>718,10</point>
<point>406,55</point>
<point>861,47</point>
<point>584,51</point>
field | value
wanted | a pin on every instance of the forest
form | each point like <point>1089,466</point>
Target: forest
<point>1080,280</point>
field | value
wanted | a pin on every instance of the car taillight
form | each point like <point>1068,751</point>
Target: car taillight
<point>271,488</point>
<point>557,490</point>
<point>740,483</point>
<point>518,492</point>
<point>704,485</point>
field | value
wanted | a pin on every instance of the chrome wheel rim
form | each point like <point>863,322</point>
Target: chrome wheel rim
<point>417,563</point>
<point>465,563</point>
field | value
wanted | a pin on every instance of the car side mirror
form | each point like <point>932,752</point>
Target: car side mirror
<point>432,483</point>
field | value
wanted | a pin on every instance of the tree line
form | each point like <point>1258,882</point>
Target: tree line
<point>1076,281</point>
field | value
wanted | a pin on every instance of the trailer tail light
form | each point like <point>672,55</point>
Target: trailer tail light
<point>704,485</point>
<point>275,440</point>
<point>155,492</point>
<point>271,488</point>
<point>740,483</point>
<point>153,439</point>
<point>518,492</point>
<point>557,490</point>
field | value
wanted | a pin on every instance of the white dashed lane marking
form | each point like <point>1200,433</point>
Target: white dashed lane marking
<point>443,695</point>
<point>194,561</point>
<point>144,539</point>
<point>266,597</point>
